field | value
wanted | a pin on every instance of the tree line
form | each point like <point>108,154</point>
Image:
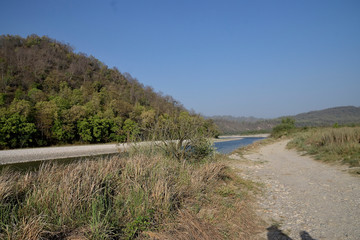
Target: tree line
<point>51,95</point>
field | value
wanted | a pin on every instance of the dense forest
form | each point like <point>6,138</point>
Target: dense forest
<point>51,95</point>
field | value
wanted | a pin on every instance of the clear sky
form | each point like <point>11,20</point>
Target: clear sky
<point>218,57</point>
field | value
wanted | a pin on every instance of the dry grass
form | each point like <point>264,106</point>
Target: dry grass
<point>331,144</point>
<point>142,196</point>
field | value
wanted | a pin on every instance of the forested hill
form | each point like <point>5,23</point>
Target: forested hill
<point>49,95</point>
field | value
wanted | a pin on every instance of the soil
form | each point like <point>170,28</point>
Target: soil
<point>302,198</point>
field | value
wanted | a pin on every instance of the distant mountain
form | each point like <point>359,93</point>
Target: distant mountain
<point>326,117</point>
<point>234,125</point>
<point>330,116</point>
<point>237,119</point>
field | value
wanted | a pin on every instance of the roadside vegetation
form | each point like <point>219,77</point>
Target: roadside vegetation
<point>336,144</point>
<point>144,195</point>
<point>329,144</point>
<point>285,128</point>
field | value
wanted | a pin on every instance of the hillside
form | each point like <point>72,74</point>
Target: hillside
<point>327,117</point>
<point>235,125</point>
<point>330,116</point>
<point>51,95</point>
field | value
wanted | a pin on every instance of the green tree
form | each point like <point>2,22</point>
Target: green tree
<point>16,131</point>
<point>84,130</point>
<point>46,113</point>
<point>62,131</point>
<point>97,129</point>
<point>131,130</point>
<point>36,95</point>
<point>22,107</point>
<point>2,99</point>
<point>19,94</point>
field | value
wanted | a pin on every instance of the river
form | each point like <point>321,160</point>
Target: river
<point>226,147</point>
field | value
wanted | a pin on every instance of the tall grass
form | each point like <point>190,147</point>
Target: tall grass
<point>331,144</point>
<point>144,195</point>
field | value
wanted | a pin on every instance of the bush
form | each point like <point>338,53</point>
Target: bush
<point>184,137</point>
<point>286,126</point>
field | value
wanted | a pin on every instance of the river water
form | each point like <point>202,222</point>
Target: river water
<point>226,147</point>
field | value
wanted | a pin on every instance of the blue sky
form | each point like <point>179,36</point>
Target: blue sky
<point>218,57</point>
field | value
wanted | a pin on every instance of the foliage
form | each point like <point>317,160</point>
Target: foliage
<point>184,136</point>
<point>330,144</point>
<point>68,97</point>
<point>286,126</point>
<point>16,131</point>
<point>131,130</point>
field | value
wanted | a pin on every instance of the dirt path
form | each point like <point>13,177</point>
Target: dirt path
<point>305,198</point>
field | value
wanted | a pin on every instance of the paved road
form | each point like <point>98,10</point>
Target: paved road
<point>50,153</point>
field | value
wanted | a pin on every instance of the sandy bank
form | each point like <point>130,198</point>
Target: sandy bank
<point>237,137</point>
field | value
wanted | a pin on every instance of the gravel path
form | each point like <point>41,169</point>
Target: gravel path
<point>307,199</point>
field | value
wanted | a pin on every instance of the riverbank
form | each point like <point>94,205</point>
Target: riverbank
<point>237,137</point>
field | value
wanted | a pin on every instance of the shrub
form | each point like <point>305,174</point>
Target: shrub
<point>286,126</point>
<point>184,137</point>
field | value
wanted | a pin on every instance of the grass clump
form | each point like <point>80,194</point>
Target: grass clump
<point>330,144</point>
<point>136,197</point>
